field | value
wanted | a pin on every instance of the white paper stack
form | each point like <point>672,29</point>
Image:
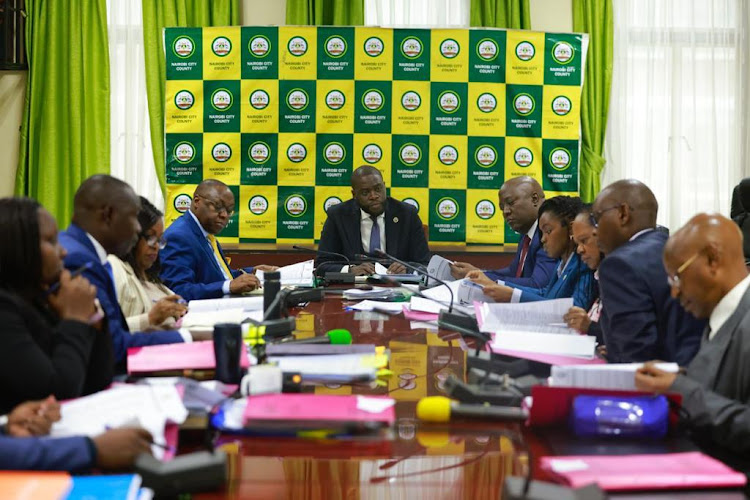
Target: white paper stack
<point>299,274</point>
<point>581,346</point>
<point>617,376</point>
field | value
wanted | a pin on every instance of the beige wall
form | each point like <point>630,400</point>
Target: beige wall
<point>262,12</point>
<point>551,15</point>
<point>12,92</point>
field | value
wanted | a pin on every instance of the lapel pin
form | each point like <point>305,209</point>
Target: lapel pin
<point>395,219</point>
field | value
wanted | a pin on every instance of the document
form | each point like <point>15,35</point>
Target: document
<point>341,368</point>
<point>582,346</point>
<point>212,305</point>
<point>442,295</point>
<point>545,316</point>
<point>202,320</point>
<point>299,274</point>
<point>376,305</point>
<point>440,267</point>
<point>618,376</point>
<point>183,356</point>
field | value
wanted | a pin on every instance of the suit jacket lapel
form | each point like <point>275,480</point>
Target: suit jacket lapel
<point>355,228</point>
<point>393,224</point>
<point>80,235</point>
<point>204,244</point>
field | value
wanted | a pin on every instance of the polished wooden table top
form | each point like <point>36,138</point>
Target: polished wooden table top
<point>462,460</point>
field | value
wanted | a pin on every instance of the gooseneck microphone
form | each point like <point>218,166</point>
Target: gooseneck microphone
<point>338,336</point>
<point>323,252</point>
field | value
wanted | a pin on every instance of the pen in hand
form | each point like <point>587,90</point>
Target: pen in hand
<point>56,286</point>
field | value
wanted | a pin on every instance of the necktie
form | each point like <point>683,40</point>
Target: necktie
<point>219,258</point>
<point>524,250</point>
<point>374,236</point>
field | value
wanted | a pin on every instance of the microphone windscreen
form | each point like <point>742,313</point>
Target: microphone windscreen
<point>340,336</point>
<point>434,409</point>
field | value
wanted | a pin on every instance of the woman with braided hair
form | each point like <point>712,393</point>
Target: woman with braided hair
<point>573,277</point>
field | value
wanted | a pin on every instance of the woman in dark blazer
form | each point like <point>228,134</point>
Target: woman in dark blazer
<point>47,342</point>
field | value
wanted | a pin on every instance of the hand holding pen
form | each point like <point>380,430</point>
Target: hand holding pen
<point>171,306</point>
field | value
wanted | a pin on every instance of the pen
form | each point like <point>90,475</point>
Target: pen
<point>179,301</point>
<point>56,286</point>
<point>165,447</point>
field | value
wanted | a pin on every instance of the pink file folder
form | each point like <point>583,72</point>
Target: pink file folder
<point>550,359</point>
<point>313,408</point>
<point>188,356</point>
<point>419,315</point>
<point>643,472</point>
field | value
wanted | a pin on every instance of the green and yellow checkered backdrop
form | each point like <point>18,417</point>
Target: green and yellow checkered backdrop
<point>283,114</point>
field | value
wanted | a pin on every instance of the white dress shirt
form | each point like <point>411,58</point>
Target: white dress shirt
<point>726,306</point>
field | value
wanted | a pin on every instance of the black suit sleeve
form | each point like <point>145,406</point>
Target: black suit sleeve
<point>419,252</point>
<point>330,241</point>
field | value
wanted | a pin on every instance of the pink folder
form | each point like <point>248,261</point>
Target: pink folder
<point>643,472</point>
<point>550,359</point>
<point>313,408</point>
<point>188,356</point>
<point>419,315</point>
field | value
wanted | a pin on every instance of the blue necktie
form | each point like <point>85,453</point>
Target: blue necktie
<point>374,236</point>
<point>108,267</point>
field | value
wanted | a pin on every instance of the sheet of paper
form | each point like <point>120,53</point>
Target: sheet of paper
<point>619,376</point>
<point>210,318</point>
<point>380,268</point>
<point>376,305</point>
<point>374,405</point>
<point>421,304</point>
<point>298,274</point>
<point>439,267</point>
<point>418,325</point>
<point>347,366</point>
<point>548,343</point>
<point>545,316</point>
<point>469,292</point>
<point>209,305</point>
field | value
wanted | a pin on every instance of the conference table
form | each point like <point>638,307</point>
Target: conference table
<point>463,459</point>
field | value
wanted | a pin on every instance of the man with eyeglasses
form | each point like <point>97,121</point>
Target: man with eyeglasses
<point>706,272</point>
<point>639,320</point>
<point>193,263</point>
<point>520,199</point>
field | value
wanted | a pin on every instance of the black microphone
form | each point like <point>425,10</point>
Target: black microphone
<point>323,252</point>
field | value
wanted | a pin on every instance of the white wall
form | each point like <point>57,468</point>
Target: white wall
<point>262,12</point>
<point>12,92</point>
<point>551,15</point>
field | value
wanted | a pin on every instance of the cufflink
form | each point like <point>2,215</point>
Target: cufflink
<point>395,219</point>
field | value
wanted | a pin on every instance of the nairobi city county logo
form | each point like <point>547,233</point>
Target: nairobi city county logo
<point>485,156</point>
<point>448,101</point>
<point>559,158</point>
<point>487,103</point>
<point>221,46</point>
<point>221,152</point>
<point>525,51</point>
<point>487,49</point>
<point>447,208</point>
<point>449,48</point>
<point>183,47</point>
<point>258,205</point>
<point>330,201</point>
<point>412,202</point>
<point>334,153</point>
<point>409,154</point>
<point>184,152</point>
<point>259,99</point>
<point>411,47</point>
<point>372,153</point>
<point>448,155</point>
<point>523,104</point>
<point>295,205</point>
<point>485,209</point>
<point>411,100</point>
<point>221,99</point>
<point>297,46</point>
<point>373,100</point>
<point>335,46</point>
<point>296,152</point>
<point>561,105</point>
<point>259,152</point>
<point>259,46</point>
<point>297,99</point>
<point>374,46</point>
<point>182,203</point>
<point>184,100</point>
<point>563,52</point>
<point>335,100</point>
<point>523,157</point>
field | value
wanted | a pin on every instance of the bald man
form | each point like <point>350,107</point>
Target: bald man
<point>639,320</point>
<point>706,268</point>
<point>193,263</point>
<point>105,221</point>
<point>520,199</point>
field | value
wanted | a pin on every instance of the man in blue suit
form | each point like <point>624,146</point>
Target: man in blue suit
<point>640,320</point>
<point>105,220</point>
<point>520,199</point>
<point>193,263</point>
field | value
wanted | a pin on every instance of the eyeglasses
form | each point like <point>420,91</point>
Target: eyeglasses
<point>674,281</point>
<point>153,240</point>
<point>595,216</point>
<point>219,208</point>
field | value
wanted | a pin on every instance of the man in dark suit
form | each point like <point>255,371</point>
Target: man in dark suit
<point>520,199</point>
<point>193,262</point>
<point>707,273</point>
<point>105,220</point>
<point>639,320</point>
<point>368,222</point>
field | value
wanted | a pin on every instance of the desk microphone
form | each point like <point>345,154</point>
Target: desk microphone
<point>342,258</point>
<point>338,336</point>
<point>441,409</point>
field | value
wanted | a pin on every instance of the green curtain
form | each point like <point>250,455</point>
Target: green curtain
<point>595,18</point>
<point>65,129</point>
<point>325,12</point>
<point>158,14</point>
<point>513,14</point>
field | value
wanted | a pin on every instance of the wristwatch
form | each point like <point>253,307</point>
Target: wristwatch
<point>3,424</point>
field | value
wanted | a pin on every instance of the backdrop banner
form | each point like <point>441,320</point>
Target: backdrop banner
<point>284,114</point>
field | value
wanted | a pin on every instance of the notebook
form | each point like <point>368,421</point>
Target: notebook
<point>668,471</point>
<point>25,485</point>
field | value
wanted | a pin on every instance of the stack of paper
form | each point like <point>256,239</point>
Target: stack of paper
<point>581,346</point>
<point>618,376</point>
<point>335,368</point>
<point>377,292</point>
<point>213,305</point>
<point>545,316</point>
<point>299,274</point>
<point>442,295</point>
